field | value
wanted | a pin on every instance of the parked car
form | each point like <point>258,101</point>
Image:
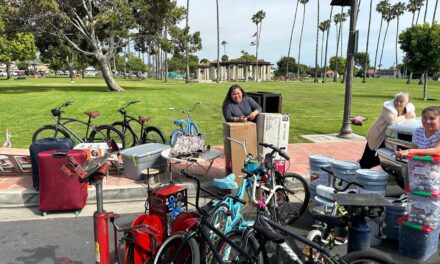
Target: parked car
<point>398,137</point>
<point>2,73</point>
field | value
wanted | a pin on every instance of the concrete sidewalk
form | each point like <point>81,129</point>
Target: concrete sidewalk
<point>16,192</point>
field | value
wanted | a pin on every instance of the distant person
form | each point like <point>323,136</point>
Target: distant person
<point>425,139</point>
<point>238,107</point>
<point>393,112</point>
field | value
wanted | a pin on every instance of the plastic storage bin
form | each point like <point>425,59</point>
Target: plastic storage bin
<point>424,211</point>
<point>143,157</point>
<point>417,243</point>
<point>424,174</point>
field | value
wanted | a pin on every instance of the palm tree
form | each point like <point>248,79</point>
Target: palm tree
<point>326,45</point>
<point>290,41</point>
<point>381,8</point>
<point>435,10</point>
<point>257,18</point>
<point>338,18</point>
<point>317,45</point>
<point>426,12</point>
<point>224,43</point>
<point>304,2</point>
<point>389,15</point>
<point>420,5</point>
<point>413,6</point>
<point>344,18</point>
<point>323,26</point>
<point>398,9</point>
<point>364,80</point>
<point>218,44</point>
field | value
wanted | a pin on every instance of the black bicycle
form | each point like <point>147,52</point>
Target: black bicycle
<point>66,127</point>
<point>136,130</point>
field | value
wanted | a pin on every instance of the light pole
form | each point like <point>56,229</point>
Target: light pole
<point>346,131</point>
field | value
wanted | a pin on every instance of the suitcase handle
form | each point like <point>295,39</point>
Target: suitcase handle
<point>59,155</point>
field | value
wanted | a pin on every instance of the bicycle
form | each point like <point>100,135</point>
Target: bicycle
<point>185,247</point>
<point>265,230</point>
<point>190,127</point>
<point>60,129</point>
<point>135,130</point>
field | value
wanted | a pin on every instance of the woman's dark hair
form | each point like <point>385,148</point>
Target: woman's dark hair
<point>434,108</point>
<point>228,98</point>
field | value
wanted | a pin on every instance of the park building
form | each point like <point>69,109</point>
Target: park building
<point>234,71</point>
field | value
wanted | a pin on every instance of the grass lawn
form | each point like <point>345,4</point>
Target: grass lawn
<point>315,108</point>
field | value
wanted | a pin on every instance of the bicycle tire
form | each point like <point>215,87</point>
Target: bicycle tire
<point>294,199</point>
<point>104,133</point>
<point>310,253</point>
<point>153,135</point>
<point>51,130</point>
<point>251,246</point>
<point>129,135</point>
<point>219,220</point>
<point>194,129</point>
<point>174,135</point>
<point>166,251</point>
<point>367,256</point>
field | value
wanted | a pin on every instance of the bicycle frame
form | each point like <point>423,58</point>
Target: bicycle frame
<point>63,121</point>
<point>187,130</point>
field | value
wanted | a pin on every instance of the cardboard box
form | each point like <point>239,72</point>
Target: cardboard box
<point>93,150</point>
<point>234,153</point>
<point>273,129</point>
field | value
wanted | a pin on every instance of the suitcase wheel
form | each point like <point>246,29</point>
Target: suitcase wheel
<point>77,212</point>
<point>43,213</point>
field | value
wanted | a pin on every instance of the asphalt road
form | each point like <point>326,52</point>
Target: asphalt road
<point>49,239</point>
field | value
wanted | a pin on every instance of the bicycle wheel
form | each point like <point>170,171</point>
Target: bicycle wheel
<point>129,134</point>
<point>230,255</point>
<point>104,133</point>
<point>153,135</point>
<point>294,199</point>
<point>310,253</point>
<point>176,133</point>
<point>49,131</point>
<point>167,253</point>
<point>194,129</point>
<point>368,256</point>
<point>219,219</point>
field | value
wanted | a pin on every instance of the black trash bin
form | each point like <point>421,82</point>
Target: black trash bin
<point>269,102</point>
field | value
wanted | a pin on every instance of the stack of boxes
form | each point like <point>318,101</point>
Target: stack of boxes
<point>418,235</point>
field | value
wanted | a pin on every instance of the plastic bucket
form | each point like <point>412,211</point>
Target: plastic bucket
<point>374,230</point>
<point>358,237</point>
<point>392,213</point>
<point>345,170</point>
<point>316,162</point>
<point>373,180</point>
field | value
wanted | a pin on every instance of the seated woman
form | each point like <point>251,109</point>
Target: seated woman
<point>393,112</point>
<point>238,107</point>
<point>426,139</point>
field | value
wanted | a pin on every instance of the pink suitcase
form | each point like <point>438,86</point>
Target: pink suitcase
<point>59,192</point>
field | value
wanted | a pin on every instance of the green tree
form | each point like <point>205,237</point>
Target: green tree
<point>338,62</point>
<point>362,60</point>
<point>20,46</point>
<point>323,26</point>
<point>420,44</point>
<point>245,57</point>
<point>281,71</point>
<point>178,63</point>
<point>23,65</point>
<point>257,19</point>
<point>225,58</point>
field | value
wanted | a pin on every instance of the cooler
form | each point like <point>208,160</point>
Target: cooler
<point>143,157</point>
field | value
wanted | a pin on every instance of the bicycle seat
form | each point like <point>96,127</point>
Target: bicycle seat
<point>142,119</point>
<point>227,183</point>
<point>264,228</point>
<point>331,220</point>
<point>92,114</point>
<point>179,122</point>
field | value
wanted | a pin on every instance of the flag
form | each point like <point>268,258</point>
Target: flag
<point>254,35</point>
<point>253,43</point>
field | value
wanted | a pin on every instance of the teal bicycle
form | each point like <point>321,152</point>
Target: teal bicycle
<point>185,127</point>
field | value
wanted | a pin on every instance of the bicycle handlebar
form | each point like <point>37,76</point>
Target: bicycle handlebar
<point>276,149</point>
<point>337,189</point>
<point>122,109</point>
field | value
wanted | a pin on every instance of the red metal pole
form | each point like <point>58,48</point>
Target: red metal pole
<point>102,249</point>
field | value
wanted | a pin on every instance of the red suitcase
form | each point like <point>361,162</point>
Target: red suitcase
<point>58,191</point>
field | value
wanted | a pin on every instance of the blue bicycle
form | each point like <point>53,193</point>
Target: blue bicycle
<point>190,127</point>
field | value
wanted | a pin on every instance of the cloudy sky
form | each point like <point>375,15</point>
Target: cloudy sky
<point>237,29</point>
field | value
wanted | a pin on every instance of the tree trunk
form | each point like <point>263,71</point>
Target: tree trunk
<point>364,80</point>
<point>377,48</point>
<point>317,46</point>
<point>8,70</point>
<point>326,48</point>
<point>290,41</point>
<point>426,11</point>
<point>397,35</point>
<point>322,52</point>
<point>409,78</point>
<point>300,38</point>
<point>335,75</point>
<point>186,44</point>
<point>435,11</point>
<point>383,45</point>
<point>218,43</point>
<point>425,84</point>
<point>107,75</point>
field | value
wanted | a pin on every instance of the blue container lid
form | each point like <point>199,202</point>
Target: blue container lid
<point>321,159</point>
<point>345,165</point>
<point>366,175</point>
